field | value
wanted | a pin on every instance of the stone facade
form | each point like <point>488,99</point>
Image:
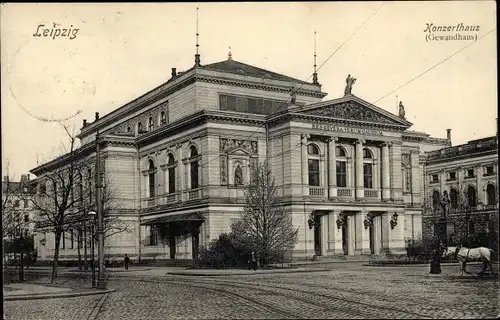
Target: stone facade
<point>353,168</point>
<point>468,174</point>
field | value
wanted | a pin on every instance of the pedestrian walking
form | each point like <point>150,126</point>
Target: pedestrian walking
<point>126,261</point>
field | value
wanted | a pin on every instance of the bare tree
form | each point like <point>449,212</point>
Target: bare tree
<point>265,226</point>
<point>54,203</point>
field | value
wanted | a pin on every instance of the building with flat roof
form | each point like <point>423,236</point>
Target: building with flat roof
<point>462,188</point>
<point>179,157</point>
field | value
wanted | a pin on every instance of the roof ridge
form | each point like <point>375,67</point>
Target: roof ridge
<point>271,73</point>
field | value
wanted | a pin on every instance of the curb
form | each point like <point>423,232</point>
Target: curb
<point>59,295</point>
<point>327,262</point>
<point>240,273</point>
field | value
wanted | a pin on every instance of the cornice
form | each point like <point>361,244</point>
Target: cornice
<point>363,124</point>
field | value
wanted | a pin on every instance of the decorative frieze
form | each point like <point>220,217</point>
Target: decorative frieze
<point>228,145</point>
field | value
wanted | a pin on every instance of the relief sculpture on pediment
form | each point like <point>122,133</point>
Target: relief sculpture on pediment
<point>228,145</point>
<point>351,111</point>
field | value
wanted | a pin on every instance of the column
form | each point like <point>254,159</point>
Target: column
<point>377,234</point>
<point>359,169</point>
<point>386,179</point>
<point>305,169</point>
<point>180,172</point>
<point>324,235</point>
<point>351,232</point>
<point>362,234</point>
<point>332,168</point>
<point>334,234</point>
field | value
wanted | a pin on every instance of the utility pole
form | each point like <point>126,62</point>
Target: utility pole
<point>101,280</point>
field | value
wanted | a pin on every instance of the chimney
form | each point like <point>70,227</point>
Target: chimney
<point>28,177</point>
<point>448,135</point>
<point>5,178</point>
<point>174,72</point>
<point>84,123</point>
<point>24,179</point>
<point>97,116</point>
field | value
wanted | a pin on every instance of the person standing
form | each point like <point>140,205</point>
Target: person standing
<point>126,261</point>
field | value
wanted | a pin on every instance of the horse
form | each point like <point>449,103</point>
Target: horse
<point>464,255</point>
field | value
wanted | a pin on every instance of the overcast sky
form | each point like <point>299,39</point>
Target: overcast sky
<point>123,50</point>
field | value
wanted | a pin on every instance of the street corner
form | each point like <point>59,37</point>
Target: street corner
<point>35,291</point>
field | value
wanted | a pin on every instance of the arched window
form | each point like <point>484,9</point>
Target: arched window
<point>313,165</point>
<point>436,200</point>
<point>193,155</point>
<point>341,166</point>
<point>171,173</point>
<point>150,124</point>
<point>453,198</point>
<point>163,118</point>
<point>139,127</point>
<point>238,175</point>
<point>367,169</point>
<point>491,195</point>
<point>471,196</point>
<point>129,130</point>
<point>151,178</point>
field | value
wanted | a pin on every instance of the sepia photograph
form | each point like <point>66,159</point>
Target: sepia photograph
<point>250,160</point>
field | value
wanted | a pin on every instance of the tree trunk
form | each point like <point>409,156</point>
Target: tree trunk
<point>56,256</point>
<point>78,244</point>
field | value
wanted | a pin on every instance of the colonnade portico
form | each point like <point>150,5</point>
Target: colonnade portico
<point>355,231</point>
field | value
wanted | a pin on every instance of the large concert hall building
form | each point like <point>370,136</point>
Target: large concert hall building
<point>172,154</point>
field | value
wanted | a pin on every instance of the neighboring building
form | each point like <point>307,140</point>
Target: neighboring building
<point>180,155</point>
<point>467,175</point>
<point>17,208</point>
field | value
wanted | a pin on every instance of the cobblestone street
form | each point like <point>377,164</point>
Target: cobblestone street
<point>345,291</point>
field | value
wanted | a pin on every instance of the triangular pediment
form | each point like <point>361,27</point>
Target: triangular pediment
<point>352,108</point>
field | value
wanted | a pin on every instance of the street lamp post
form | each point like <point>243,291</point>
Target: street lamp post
<point>101,280</point>
<point>92,239</point>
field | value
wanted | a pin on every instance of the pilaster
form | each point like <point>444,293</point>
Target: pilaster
<point>396,178</point>
<point>386,179</point>
<point>305,171</point>
<point>362,234</point>
<point>334,235</point>
<point>416,182</point>
<point>181,176</point>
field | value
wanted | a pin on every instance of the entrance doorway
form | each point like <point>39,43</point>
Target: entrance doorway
<point>317,235</point>
<point>172,247</point>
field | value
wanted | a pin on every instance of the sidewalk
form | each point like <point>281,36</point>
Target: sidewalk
<point>31,291</point>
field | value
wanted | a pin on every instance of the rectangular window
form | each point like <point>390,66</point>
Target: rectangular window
<point>25,203</point>
<point>434,178</point>
<point>452,176</point>
<point>16,203</point>
<point>489,170</point>
<point>313,172</point>
<point>153,236</point>
<point>26,218</point>
<point>470,173</point>
<point>367,172</point>
<point>341,174</point>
